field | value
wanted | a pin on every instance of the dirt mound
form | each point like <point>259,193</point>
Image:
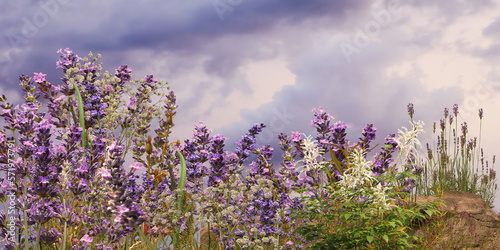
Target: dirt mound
<point>467,224</point>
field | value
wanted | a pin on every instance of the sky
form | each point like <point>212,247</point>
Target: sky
<point>235,63</point>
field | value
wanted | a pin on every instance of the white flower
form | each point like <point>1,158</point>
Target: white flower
<point>311,153</point>
<point>359,173</point>
<point>407,139</point>
<point>380,199</point>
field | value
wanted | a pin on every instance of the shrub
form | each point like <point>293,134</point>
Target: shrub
<point>362,207</point>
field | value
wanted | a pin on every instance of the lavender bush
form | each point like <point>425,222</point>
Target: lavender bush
<point>68,183</point>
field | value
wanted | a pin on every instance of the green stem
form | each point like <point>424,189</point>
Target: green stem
<point>25,221</point>
<point>65,230</point>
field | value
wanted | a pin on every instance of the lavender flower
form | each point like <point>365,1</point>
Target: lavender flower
<point>339,133</point>
<point>247,143</point>
<point>411,110</point>
<point>42,211</point>
<point>455,109</point>
<point>93,103</point>
<point>384,158</point>
<point>68,59</point>
<point>369,135</point>
<point>219,162</point>
<point>196,152</point>
<point>123,73</point>
<point>39,77</point>
<point>322,121</point>
<point>323,127</point>
<point>287,170</point>
<point>124,193</point>
<point>49,237</point>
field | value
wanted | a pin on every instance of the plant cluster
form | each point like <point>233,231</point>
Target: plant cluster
<point>68,145</point>
<point>455,161</point>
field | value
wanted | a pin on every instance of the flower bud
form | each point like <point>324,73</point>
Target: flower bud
<point>149,147</point>
<point>169,118</point>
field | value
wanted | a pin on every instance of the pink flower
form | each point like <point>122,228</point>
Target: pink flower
<point>137,165</point>
<point>296,136</point>
<point>104,173</point>
<point>118,219</point>
<point>86,238</point>
<point>122,209</point>
<point>39,77</point>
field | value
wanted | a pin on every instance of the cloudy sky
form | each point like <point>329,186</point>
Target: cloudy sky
<point>234,63</point>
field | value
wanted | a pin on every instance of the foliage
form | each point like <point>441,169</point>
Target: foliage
<point>89,164</point>
<point>362,210</point>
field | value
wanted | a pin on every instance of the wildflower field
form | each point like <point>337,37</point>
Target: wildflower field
<point>66,183</point>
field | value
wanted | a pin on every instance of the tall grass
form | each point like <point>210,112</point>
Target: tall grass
<point>456,161</point>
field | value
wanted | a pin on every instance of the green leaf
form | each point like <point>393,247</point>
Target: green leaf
<point>182,179</point>
<point>81,113</point>
<point>369,238</point>
<point>429,212</point>
<point>347,216</point>
<point>181,198</point>
<point>386,238</point>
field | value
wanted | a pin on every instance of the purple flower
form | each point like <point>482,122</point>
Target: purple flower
<point>124,73</point>
<point>296,137</point>
<point>93,103</point>
<point>219,162</point>
<point>68,59</point>
<point>262,166</point>
<point>322,121</point>
<point>455,109</point>
<point>287,170</point>
<point>247,143</point>
<point>49,237</point>
<point>446,113</point>
<point>369,134</point>
<point>196,152</point>
<point>411,110</point>
<point>384,158</point>
<point>149,80</point>
<point>464,129</point>
<point>132,105</point>
<point>329,134</point>
<point>42,211</point>
<point>339,133</point>
<point>126,193</point>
